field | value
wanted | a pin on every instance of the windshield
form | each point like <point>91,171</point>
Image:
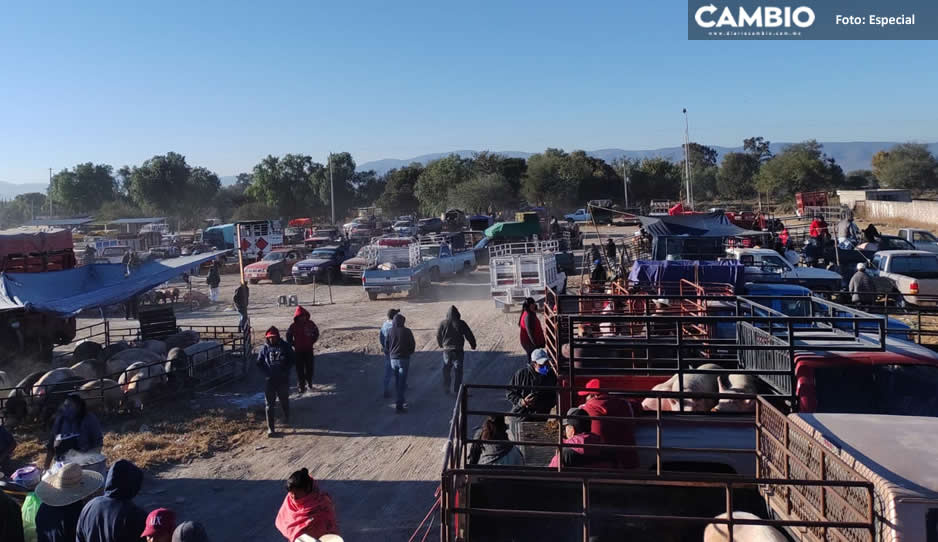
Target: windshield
<point>915,266</point>
<point>794,307</point>
<point>324,232</point>
<point>273,257</point>
<point>774,261</point>
<point>901,390</point>
<point>430,252</point>
<point>321,254</point>
<point>402,224</point>
<point>924,236</point>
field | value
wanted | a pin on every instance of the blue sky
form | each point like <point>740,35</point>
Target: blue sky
<point>227,82</point>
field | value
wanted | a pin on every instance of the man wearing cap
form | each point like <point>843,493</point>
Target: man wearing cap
<point>160,525</point>
<point>601,405</point>
<point>63,497</point>
<point>383,339</point>
<point>190,531</point>
<point>275,360</point>
<point>524,398</point>
<point>576,429</point>
<point>862,286</point>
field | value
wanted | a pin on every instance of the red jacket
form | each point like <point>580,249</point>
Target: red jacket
<point>303,333</point>
<point>818,228</point>
<point>536,331</point>
<point>614,431</point>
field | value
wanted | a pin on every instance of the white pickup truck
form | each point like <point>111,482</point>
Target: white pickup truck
<point>922,239</point>
<point>766,265</point>
<point>912,273</point>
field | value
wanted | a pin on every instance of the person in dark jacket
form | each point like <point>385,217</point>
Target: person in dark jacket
<point>114,517</point>
<point>7,445</point>
<point>498,449</point>
<point>610,250</point>
<point>241,304</point>
<point>213,280</point>
<point>190,531</point>
<point>598,274</point>
<point>594,252</point>
<point>401,346</point>
<point>524,399</point>
<point>11,520</point>
<point>74,428</point>
<point>302,336</point>
<point>63,496</point>
<point>451,336</point>
<point>532,335</point>
<point>862,287</point>
<point>275,359</point>
<point>383,339</point>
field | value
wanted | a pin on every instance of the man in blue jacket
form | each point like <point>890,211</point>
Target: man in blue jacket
<point>401,346</point>
<point>276,359</point>
<point>114,517</point>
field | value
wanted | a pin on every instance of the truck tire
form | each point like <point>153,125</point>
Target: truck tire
<point>466,268</point>
<point>373,296</point>
<point>276,276</point>
<point>435,274</point>
<point>253,281</point>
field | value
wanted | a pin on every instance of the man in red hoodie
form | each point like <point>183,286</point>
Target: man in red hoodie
<point>600,404</point>
<point>302,335</point>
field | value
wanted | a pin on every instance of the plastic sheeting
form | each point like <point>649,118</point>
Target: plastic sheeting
<point>66,293</point>
<point>671,272</point>
<point>715,224</point>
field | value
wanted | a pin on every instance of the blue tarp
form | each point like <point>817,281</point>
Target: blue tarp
<point>66,293</point>
<point>657,272</point>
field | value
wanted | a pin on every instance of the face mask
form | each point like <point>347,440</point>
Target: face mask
<point>542,369</point>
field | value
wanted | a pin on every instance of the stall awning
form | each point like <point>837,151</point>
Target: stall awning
<point>66,293</point>
<point>714,224</point>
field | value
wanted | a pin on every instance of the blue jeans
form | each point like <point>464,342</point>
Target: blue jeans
<point>454,359</point>
<point>399,367</point>
<point>388,373</point>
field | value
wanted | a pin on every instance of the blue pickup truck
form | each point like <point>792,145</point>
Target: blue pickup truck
<point>413,268</point>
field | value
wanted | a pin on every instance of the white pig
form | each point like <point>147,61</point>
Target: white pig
<point>88,369</point>
<point>718,532</point>
<point>742,384</point>
<point>100,401</point>
<point>693,383</point>
<point>139,387</point>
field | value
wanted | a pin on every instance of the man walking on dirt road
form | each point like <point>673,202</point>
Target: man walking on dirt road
<point>401,346</point>
<point>383,338</point>
<point>275,360</point>
<point>451,337</point>
<point>302,336</point>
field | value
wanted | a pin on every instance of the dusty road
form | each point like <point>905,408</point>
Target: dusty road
<point>380,467</point>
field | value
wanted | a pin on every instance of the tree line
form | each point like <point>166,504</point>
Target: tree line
<point>295,185</point>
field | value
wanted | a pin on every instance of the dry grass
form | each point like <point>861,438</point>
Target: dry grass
<point>165,441</point>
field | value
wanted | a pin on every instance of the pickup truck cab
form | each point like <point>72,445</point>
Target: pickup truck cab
<point>920,239</point>
<point>321,265</point>
<point>911,273</point>
<point>275,265</point>
<point>322,236</point>
<point>112,254</point>
<point>766,265</point>
<point>581,215</point>
<point>442,262</point>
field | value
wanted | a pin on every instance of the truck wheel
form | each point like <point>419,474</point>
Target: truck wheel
<point>372,296</point>
<point>334,276</point>
<point>276,277</point>
<point>435,274</point>
<point>253,281</point>
<point>466,268</point>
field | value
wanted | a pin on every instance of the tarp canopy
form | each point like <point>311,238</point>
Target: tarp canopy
<point>656,272</point>
<point>66,293</point>
<point>714,224</point>
<point>513,229</point>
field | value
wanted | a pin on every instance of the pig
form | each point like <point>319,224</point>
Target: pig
<point>699,383</point>
<point>138,388</point>
<point>157,347</point>
<point>177,367</point>
<point>51,389</point>
<point>182,339</point>
<point>52,378</point>
<point>88,369</point>
<point>112,349</point>
<point>120,361</point>
<point>86,350</point>
<point>744,384</point>
<point>204,355</point>
<point>718,532</point>
<point>113,368</point>
<point>102,396</point>
<point>16,406</point>
<point>149,370</point>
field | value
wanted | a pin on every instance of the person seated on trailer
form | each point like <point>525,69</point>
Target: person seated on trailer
<point>498,448</point>
<point>526,401</point>
<point>74,428</point>
<point>601,405</point>
<point>577,431</point>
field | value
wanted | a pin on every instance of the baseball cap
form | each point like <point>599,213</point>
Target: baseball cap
<point>160,521</point>
<point>540,356</point>
<point>592,384</point>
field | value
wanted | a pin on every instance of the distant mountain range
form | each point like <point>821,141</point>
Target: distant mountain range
<point>849,155</point>
<point>11,190</point>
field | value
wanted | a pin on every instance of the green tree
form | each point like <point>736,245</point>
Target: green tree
<point>736,174</point>
<point>118,208</point>
<point>861,178</point>
<point>907,165</point>
<point>703,165</point>
<point>655,178</point>
<point>254,210</point>
<point>551,179</point>
<point>511,169</point>
<point>368,187</point>
<point>160,183</point>
<point>228,199</point>
<point>398,197</point>
<point>286,185</point>
<point>244,180</point>
<point>436,180</point>
<point>83,188</point>
<point>758,147</point>
<point>481,194</point>
<point>341,183</point>
<point>800,167</point>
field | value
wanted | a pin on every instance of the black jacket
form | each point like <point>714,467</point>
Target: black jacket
<point>400,341</point>
<point>453,333</point>
<point>11,520</point>
<point>213,279</point>
<point>276,361</point>
<point>57,523</point>
<point>521,385</point>
<point>241,298</point>
<point>114,517</point>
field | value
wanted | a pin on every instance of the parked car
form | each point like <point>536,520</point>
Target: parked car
<point>581,215</point>
<point>323,236</point>
<point>322,265</point>
<point>405,228</point>
<point>766,265</point>
<point>912,273</point>
<point>887,242</point>
<point>352,268</point>
<point>429,225</point>
<point>361,233</point>
<point>275,265</point>
<point>920,239</point>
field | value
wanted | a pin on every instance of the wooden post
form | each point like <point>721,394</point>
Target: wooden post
<point>240,252</point>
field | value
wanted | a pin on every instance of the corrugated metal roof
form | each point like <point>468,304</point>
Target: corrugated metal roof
<point>138,220</point>
<point>59,222</point>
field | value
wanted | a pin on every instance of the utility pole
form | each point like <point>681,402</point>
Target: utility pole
<point>687,170</point>
<point>331,189</point>
<point>50,193</point>
<point>625,187</point>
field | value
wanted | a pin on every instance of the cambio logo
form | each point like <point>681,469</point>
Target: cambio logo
<point>760,17</point>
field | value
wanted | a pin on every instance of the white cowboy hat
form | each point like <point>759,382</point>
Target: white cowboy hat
<point>69,485</point>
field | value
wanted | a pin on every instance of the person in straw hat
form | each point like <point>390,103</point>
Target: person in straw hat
<point>63,497</point>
